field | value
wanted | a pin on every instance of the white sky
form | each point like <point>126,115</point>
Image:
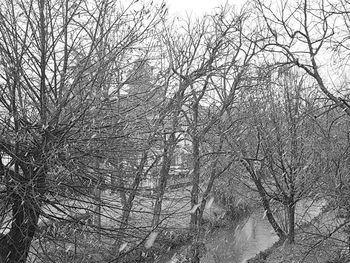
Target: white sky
<point>197,7</point>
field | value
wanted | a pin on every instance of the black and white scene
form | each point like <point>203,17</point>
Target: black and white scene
<point>174,131</point>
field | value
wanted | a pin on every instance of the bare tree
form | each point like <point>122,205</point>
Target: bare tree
<point>313,36</point>
<point>210,58</point>
<point>280,156</point>
<point>308,34</point>
<point>57,74</point>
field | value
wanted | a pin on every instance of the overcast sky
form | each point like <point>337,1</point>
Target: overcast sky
<point>197,7</point>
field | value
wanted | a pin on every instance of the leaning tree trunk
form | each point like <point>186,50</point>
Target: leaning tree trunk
<point>130,199</point>
<point>266,204</point>
<point>264,198</point>
<point>164,173</point>
<point>213,175</point>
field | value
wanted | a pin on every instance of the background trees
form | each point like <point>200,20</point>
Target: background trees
<point>98,99</point>
<point>310,35</point>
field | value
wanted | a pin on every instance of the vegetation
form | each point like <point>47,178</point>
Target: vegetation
<point>124,132</point>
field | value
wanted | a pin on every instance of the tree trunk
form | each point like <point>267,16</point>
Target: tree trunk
<point>195,181</point>
<point>25,191</point>
<point>265,200</point>
<point>266,204</point>
<point>15,244</point>
<point>98,210</point>
<point>213,176</point>
<point>122,194</point>
<point>164,173</point>
<point>169,148</point>
<point>129,202</point>
<point>291,222</point>
<point>97,194</point>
